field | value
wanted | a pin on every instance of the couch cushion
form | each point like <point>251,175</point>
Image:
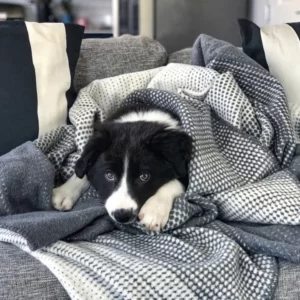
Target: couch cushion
<point>102,58</point>
<point>24,277</point>
<point>37,66</point>
<point>183,56</point>
<point>288,285</point>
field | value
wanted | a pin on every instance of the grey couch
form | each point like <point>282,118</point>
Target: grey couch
<point>21,275</point>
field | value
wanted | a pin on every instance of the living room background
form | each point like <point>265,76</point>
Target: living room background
<point>174,23</point>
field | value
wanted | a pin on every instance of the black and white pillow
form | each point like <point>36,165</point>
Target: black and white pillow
<point>37,66</point>
<point>277,48</point>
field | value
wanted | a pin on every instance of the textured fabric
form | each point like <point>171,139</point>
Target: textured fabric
<point>183,56</point>
<point>115,56</point>
<point>26,183</point>
<point>295,165</point>
<point>276,47</point>
<point>44,227</point>
<point>267,96</point>
<point>218,173</point>
<point>234,147</point>
<point>22,187</point>
<point>273,240</point>
<point>288,286</point>
<point>189,264</point>
<point>33,56</point>
<point>22,277</point>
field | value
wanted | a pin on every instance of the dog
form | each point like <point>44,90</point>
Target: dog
<point>137,160</point>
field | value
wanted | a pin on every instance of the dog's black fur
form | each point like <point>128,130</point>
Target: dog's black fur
<point>154,153</point>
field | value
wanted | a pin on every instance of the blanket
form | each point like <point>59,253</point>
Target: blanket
<point>27,179</point>
<point>240,210</point>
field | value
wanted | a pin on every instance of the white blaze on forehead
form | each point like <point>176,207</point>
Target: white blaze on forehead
<point>149,116</point>
<point>120,198</point>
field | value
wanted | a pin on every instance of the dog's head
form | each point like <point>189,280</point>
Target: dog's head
<point>128,162</point>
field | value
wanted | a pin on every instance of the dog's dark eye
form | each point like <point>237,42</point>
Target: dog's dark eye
<point>144,176</point>
<point>110,175</point>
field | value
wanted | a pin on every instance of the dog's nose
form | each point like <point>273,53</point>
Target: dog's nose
<point>124,215</point>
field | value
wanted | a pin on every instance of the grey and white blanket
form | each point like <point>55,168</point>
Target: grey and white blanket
<point>241,209</point>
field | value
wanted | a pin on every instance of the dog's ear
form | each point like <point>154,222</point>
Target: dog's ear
<point>175,147</point>
<point>96,145</point>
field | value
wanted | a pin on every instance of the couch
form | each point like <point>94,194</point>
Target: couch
<point>24,277</point>
<point>21,275</point>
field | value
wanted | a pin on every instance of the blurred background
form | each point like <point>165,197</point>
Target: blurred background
<point>174,23</point>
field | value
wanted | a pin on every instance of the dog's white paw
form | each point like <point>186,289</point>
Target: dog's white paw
<point>65,196</point>
<point>62,199</point>
<point>154,215</point>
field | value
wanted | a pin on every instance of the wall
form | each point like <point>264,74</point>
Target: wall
<point>179,22</point>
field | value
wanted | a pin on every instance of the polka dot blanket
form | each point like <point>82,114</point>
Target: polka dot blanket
<point>242,203</point>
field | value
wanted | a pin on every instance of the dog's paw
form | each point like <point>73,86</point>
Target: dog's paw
<point>154,215</point>
<point>152,218</point>
<point>65,196</point>
<point>62,199</point>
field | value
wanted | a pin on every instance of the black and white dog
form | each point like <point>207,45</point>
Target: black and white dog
<point>137,160</point>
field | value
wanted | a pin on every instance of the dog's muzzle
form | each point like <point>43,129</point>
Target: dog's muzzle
<point>125,216</point>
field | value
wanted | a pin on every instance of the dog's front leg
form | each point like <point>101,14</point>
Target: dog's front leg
<point>65,196</point>
<point>154,214</point>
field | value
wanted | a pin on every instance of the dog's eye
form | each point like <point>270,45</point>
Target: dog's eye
<point>144,176</point>
<point>110,175</point>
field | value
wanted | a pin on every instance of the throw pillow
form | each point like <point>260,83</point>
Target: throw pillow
<point>277,48</point>
<point>37,66</point>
